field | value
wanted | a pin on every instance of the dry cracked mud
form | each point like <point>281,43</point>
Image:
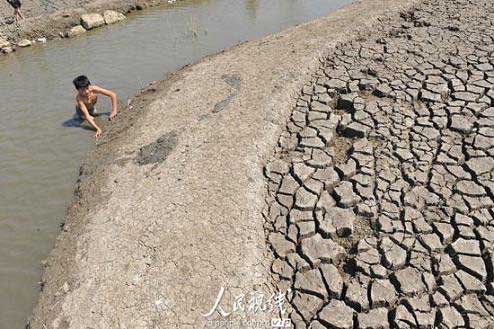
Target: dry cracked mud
<point>381,191</point>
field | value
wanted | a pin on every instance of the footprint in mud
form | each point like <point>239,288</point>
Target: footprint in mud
<point>158,151</point>
<point>233,81</point>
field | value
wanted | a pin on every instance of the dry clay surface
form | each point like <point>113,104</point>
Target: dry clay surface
<point>170,203</point>
<point>381,188</point>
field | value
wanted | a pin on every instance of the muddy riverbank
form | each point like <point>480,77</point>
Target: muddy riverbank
<point>53,19</point>
<point>169,204</point>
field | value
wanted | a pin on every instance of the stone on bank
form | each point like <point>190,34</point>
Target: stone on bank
<point>111,16</point>
<point>75,31</point>
<point>90,21</point>
<point>5,46</point>
<point>24,43</point>
<point>4,43</point>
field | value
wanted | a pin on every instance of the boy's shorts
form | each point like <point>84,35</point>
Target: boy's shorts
<point>80,116</point>
<point>16,4</point>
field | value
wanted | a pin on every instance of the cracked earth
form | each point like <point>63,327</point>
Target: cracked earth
<point>380,207</point>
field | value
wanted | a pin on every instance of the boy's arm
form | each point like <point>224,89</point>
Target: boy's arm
<point>113,97</point>
<point>89,118</point>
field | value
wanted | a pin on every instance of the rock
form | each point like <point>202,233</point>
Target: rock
<point>305,200</point>
<point>320,107</point>
<point>333,280</point>
<point>368,84</point>
<point>347,169</point>
<point>7,50</point>
<point>480,321</point>
<point>431,242</point>
<point>403,318</point>
<point>356,129</point>
<point>281,246</point>
<point>310,282</point>
<point>318,249</point>
<point>289,185</point>
<point>337,314</point>
<point>4,43</point>
<point>378,271</point>
<point>282,268</point>
<point>111,16</point>
<point>75,31</point>
<point>438,299</point>
<point>307,305</point>
<point>404,154</point>
<point>479,165</point>
<point>42,40</point>
<point>410,281</point>
<point>426,319</point>
<point>465,96</point>
<point>337,84</point>
<point>320,159</point>
<point>326,227</point>
<point>470,283</point>
<point>90,21</point>
<point>24,43</point>
<point>383,90</point>
<point>426,95</point>
<point>357,294</point>
<point>314,116</point>
<point>141,4</point>
<point>420,303</point>
<point>473,265</point>
<point>445,264</point>
<point>316,325</point>
<point>451,318</point>
<point>461,124</point>
<point>345,196</point>
<point>346,102</point>
<point>446,231</point>
<point>451,288</point>
<point>382,293</point>
<point>467,247</point>
<point>374,319</point>
<point>470,188</point>
<point>301,171</point>
<point>279,167</point>
<point>297,262</point>
<point>326,201</point>
<point>394,255</point>
<point>471,304</point>
<point>341,219</point>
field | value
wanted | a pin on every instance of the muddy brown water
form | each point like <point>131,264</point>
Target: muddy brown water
<point>40,151</point>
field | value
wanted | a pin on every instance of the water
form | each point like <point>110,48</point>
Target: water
<point>40,154</point>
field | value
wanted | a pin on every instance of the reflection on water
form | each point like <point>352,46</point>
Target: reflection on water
<point>41,145</point>
<point>251,7</point>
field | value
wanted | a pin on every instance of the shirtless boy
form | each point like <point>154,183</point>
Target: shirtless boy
<point>86,98</point>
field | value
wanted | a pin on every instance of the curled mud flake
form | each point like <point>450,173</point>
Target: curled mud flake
<point>158,151</point>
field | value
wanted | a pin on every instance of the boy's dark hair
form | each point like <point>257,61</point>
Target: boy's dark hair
<point>81,82</point>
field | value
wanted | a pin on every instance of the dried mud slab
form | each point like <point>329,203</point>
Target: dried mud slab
<point>381,188</point>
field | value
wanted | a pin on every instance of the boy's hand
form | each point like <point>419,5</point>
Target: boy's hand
<point>112,115</point>
<point>98,133</point>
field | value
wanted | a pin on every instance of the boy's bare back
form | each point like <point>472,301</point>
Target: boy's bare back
<point>87,97</point>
